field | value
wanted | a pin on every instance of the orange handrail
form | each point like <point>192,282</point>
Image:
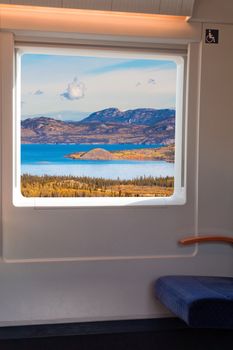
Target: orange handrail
<point>206,239</point>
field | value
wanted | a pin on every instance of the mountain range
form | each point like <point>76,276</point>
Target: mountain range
<point>108,126</point>
<point>60,115</point>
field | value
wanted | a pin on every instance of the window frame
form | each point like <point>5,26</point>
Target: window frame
<point>179,195</point>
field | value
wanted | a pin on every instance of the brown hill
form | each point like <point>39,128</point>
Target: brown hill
<point>97,154</point>
<point>165,153</point>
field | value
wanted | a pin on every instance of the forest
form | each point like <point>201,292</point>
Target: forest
<point>71,186</point>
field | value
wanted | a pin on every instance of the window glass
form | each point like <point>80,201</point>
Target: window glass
<point>97,124</point>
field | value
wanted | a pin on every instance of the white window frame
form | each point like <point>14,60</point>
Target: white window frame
<point>179,195</point>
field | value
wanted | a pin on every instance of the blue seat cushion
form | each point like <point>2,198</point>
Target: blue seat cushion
<point>202,302</point>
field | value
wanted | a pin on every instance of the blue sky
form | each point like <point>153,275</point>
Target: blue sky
<point>83,84</point>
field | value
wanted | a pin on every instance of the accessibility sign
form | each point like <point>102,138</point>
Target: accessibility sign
<point>211,36</point>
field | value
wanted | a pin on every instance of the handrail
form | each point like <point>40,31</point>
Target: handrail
<point>206,239</point>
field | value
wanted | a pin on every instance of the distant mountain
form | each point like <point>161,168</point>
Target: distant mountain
<point>140,116</point>
<point>42,123</point>
<point>109,126</point>
<point>60,115</point>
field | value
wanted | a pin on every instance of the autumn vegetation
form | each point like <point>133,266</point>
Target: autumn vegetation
<point>71,186</point>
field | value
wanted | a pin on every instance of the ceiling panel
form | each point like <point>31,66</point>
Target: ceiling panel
<point>187,7</point>
<point>144,6</point>
<point>50,3</point>
<point>164,7</point>
<point>171,7</point>
<point>88,4</point>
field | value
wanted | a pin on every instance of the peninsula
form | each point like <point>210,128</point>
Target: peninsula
<point>165,153</point>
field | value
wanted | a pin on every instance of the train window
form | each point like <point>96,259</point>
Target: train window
<point>98,127</point>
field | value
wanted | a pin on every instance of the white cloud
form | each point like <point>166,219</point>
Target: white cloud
<point>74,91</point>
<point>151,81</point>
<point>122,89</point>
<point>38,92</point>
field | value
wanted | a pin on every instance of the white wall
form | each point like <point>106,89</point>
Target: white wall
<point>214,11</point>
<point>55,291</point>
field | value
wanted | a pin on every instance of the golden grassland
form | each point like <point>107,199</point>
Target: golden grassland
<point>71,186</point>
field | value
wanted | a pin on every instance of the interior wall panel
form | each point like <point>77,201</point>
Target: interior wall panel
<point>213,11</point>
<point>2,96</point>
<point>110,225</point>
<point>216,141</point>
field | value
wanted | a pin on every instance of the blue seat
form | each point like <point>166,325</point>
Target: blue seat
<point>202,302</point>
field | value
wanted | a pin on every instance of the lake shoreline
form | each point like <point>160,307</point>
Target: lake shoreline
<point>44,159</point>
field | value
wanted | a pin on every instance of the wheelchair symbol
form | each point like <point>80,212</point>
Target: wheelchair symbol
<point>210,38</point>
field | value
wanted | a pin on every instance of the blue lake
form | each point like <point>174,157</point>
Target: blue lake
<point>41,159</point>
